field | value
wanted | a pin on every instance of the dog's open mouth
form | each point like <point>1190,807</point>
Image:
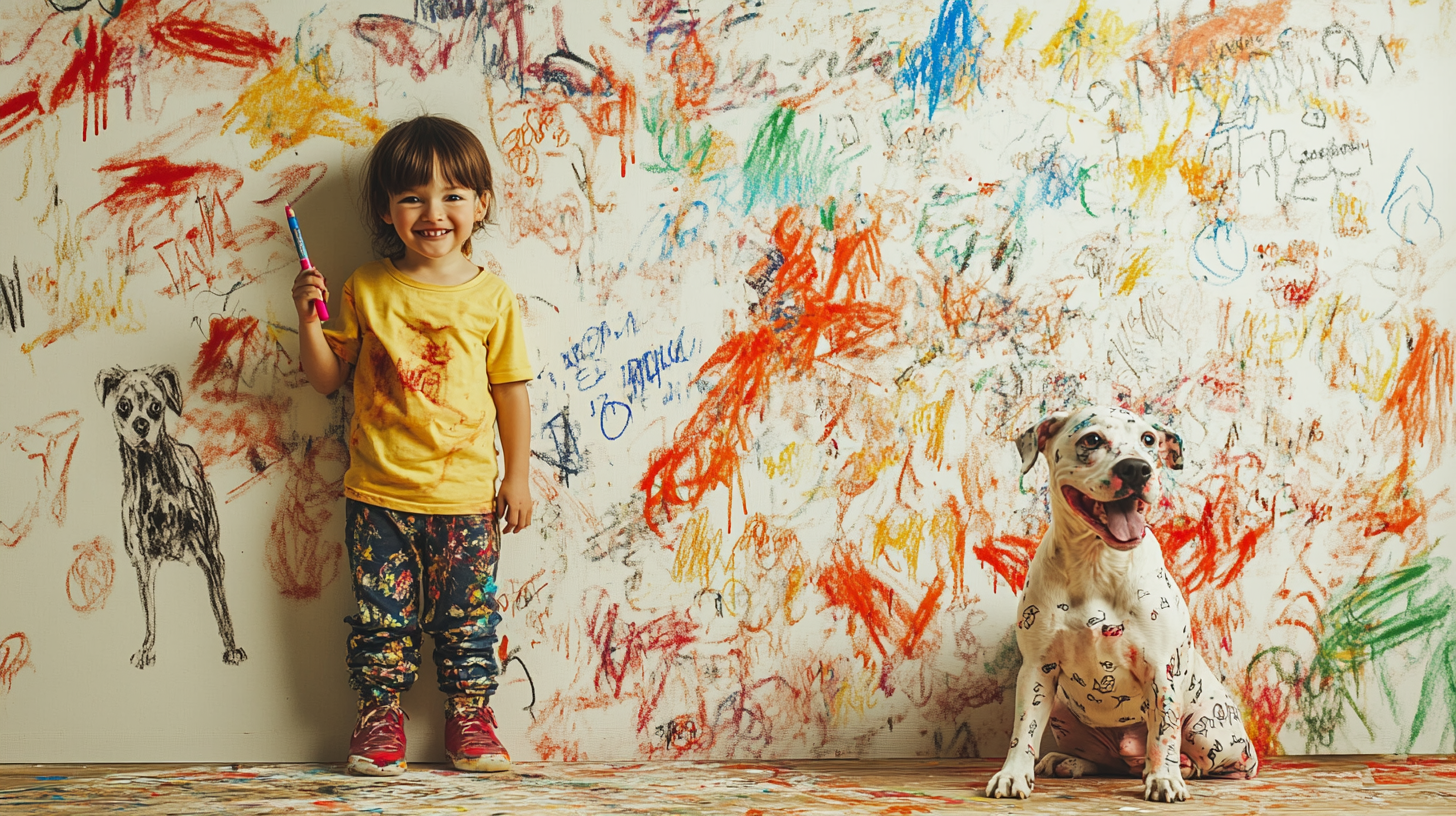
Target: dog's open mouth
<point>1119,523</point>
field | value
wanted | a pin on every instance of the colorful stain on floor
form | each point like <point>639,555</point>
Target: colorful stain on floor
<point>1306,785</point>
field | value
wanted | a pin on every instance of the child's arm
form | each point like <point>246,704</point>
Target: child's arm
<point>324,370</point>
<point>513,416</point>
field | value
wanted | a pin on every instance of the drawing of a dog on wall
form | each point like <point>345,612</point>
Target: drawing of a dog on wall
<point>167,508</point>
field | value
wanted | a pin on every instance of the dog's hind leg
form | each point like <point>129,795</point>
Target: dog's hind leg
<point>1082,750</point>
<point>147,583</point>
<point>212,566</point>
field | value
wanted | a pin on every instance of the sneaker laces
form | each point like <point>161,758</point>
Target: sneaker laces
<point>379,726</point>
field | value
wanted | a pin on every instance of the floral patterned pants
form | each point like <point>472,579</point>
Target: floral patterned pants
<point>417,572</point>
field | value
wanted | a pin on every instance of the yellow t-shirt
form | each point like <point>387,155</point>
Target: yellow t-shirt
<point>423,435</point>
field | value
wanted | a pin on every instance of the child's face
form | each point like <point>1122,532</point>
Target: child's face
<point>436,219</point>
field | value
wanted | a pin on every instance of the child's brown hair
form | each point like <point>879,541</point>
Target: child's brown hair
<point>406,156</point>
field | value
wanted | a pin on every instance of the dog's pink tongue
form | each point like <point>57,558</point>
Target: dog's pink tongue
<point>1124,521</point>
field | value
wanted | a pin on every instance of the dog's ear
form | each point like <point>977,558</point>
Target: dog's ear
<point>1170,448</point>
<point>1033,440</point>
<point>107,381</point>
<point>166,379</point>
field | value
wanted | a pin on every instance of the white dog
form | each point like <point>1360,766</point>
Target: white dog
<point>1107,656</point>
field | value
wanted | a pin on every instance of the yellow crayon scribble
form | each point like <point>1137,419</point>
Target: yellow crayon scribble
<point>786,462</point>
<point>902,533</point>
<point>1020,24</point>
<point>1087,40</point>
<point>1150,173</point>
<point>696,551</point>
<point>74,300</point>
<point>1349,216</point>
<point>1139,266</point>
<point>293,103</point>
<point>854,694</point>
<point>928,421</point>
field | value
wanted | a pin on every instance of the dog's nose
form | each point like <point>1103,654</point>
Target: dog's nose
<point>141,426</point>
<point>1133,472</point>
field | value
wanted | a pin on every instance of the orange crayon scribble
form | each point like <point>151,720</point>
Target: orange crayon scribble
<point>799,310</point>
<point>887,618</point>
<point>53,441</point>
<point>1188,45</point>
<point>14,656</point>
<point>294,103</point>
<point>1419,405</point>
<point>693,74</point>
<point>89,580</point>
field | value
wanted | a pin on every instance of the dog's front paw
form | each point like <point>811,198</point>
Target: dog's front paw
<point>1165,786</point>
<point>143,658</point>
<point>1064,765</point>
<point>1011,784</point>
<point>234,656</point>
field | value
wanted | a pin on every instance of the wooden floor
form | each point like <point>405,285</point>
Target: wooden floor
<point>1343,785</point>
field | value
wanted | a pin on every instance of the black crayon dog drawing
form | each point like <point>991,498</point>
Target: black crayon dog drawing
<point>167,509</point>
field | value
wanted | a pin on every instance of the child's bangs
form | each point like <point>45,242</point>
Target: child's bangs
<point>461,163</point>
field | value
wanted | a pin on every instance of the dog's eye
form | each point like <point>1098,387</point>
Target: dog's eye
<point>123,407</point>
<point>1091,440</point>
<point>155,411</point>
<point>1149,440</point>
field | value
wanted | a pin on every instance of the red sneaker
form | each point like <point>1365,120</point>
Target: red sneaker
<point>470,738</point>
<point>377,745</point>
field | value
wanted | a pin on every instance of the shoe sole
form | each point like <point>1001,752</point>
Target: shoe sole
<point>486,764</point>
<point>363,766</point>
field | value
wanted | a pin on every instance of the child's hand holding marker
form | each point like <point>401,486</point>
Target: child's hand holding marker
<point>309,286</point>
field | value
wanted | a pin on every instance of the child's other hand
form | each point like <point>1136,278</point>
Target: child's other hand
<point>513,505</point>
<point>308,287</point>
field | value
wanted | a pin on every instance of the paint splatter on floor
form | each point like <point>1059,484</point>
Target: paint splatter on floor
<point>1306,785</point>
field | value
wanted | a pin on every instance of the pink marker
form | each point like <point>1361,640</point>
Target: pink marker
<point>303,262</point>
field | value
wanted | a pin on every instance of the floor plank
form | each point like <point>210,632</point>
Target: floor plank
<point>1305,785</point>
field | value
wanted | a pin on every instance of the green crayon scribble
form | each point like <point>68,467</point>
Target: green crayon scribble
<point>679,149</point>
<point>1362,629</point>
<point>788,167</point>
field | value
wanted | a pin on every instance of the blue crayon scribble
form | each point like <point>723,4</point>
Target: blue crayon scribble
<point>952,51</point>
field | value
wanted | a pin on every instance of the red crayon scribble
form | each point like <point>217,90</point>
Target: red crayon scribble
<point>238,428</point>
<point>88,582</point>
<point>52,441</point>
<point>1207,550</point>
<point>1009,556</point>
<point>800,310</point>
<point>846,583</point>
<point>14,656</point>
<point>211,41</point>
<point>179,212</point>
<point>624,647</point>
<point>293,183</point>
<point>71,56</point>
<point>404,42</point>
<point>300,559</point>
